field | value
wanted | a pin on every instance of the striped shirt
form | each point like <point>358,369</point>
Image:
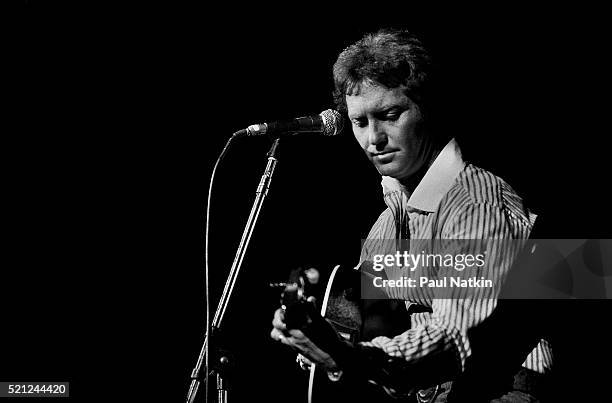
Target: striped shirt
<point>454,200</point>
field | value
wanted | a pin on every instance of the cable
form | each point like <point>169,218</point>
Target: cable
<point>206,269</point>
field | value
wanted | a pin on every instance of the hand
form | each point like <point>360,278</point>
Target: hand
<point>297,340</point>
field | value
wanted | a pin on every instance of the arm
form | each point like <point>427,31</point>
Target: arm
<point>436,349</point>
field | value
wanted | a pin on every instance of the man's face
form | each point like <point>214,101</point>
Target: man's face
<point>389,127</point>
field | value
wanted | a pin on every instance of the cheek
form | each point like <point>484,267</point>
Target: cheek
<point>410,137</point>
<point>361,138</point>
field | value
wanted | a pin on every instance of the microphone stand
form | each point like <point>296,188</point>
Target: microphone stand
<point>223,361</point>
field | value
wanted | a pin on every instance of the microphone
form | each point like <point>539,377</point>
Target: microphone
<point>327,123</point>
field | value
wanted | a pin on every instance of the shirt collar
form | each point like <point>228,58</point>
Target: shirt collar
<point>435,184</point>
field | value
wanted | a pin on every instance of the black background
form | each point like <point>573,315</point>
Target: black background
<point>117,114</point>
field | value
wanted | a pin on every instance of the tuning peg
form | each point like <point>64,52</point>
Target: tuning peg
<point>281,285</point>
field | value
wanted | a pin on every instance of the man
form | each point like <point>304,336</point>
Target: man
<point>385,84</point>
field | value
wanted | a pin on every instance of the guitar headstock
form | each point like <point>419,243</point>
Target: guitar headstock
<point>298,296</point>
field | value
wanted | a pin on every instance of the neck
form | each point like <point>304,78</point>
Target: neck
<point>413,181</point>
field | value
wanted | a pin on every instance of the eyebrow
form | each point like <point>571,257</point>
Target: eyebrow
<point>383,109</point>
<point>387,108</point>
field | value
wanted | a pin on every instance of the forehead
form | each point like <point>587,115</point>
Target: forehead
<point>373,98</point>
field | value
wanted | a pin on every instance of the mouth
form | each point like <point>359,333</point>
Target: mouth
<point>383,154</point>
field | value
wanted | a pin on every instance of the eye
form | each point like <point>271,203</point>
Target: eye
<point>392,115</point>
<point>359,122</point>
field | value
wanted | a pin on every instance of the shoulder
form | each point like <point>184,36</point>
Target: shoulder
<point>481,186</point>
<point>477,187</point>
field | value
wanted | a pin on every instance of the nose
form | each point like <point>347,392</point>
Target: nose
<point>376,135</point>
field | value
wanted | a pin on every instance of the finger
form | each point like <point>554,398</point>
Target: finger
<point>278,321</point>
<point>277,335</point>
<point>295,333</point>
<point>288,341</point>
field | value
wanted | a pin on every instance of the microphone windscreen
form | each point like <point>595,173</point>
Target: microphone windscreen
<point>333,123</point>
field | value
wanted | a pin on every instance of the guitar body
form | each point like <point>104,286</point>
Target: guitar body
<point>356,320</point>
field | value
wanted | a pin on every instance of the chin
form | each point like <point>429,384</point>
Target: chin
<point>392,169</point>
<point>387,171</point>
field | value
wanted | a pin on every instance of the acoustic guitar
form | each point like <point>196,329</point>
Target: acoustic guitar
<point>354,319</point>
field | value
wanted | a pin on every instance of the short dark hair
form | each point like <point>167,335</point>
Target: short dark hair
<point>390,58</point>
